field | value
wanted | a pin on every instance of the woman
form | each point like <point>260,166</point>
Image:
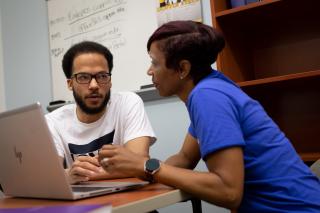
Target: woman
<point>252,166</point>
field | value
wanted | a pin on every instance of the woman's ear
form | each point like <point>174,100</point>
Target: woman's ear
<point>69,83</point>
<point>184,68</point>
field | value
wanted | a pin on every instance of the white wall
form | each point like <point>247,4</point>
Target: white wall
<point>26,71</point>
<point>25,48</point>
<point>2,92</point>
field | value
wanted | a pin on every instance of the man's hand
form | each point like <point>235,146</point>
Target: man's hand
<point>84,168</point>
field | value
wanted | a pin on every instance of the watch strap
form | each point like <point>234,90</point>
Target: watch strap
<point>149,173</point>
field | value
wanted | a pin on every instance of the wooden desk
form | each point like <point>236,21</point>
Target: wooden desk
<point>147,198</point>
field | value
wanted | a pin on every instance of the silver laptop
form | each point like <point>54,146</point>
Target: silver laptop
<point>30,165</point>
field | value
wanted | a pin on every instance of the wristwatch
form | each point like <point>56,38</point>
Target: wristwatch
<point>151,166</point>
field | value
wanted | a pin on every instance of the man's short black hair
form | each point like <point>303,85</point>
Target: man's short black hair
<point>84,47</point>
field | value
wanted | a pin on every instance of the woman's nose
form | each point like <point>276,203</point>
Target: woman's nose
<point>149,71</point>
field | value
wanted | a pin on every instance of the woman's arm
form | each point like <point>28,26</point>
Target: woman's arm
<point>189,155</point>
<point>222,185</point>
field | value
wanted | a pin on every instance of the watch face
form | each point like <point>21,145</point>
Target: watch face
<point>152,164</point>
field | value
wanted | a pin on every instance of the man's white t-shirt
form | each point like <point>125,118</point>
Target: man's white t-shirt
<point>124,120</point>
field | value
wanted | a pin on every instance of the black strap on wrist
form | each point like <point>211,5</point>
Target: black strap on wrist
<point>149,177</point>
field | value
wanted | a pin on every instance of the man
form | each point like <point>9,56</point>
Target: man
<point>99,116</point>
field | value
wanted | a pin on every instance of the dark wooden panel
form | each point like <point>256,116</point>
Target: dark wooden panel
<point>294,106</point>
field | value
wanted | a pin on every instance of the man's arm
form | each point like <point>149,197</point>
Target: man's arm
<point>139,145</point>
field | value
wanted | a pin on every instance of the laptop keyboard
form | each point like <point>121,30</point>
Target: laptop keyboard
<point>86,189</point>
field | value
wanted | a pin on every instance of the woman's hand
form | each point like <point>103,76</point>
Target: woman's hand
<point>118,158</point>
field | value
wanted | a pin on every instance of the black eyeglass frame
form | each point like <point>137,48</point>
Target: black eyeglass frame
<point>92,76</point>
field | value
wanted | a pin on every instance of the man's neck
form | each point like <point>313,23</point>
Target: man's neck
<point>88,118</point>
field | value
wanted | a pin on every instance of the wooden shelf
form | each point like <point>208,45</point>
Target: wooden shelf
<point>272,53</point>
<point>245,7</point>
<point>310,157</point>
<point>283,78</point>
<point>269,38</point>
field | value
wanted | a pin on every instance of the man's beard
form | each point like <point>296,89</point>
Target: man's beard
<point>89,110</point>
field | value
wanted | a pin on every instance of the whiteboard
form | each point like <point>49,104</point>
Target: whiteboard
<point>123,26</point>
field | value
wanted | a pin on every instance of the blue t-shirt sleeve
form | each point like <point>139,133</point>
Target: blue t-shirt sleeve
<point>215,121</point>
<point>191,131</point>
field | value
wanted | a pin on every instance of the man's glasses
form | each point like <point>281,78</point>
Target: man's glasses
<point>85,78</point>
